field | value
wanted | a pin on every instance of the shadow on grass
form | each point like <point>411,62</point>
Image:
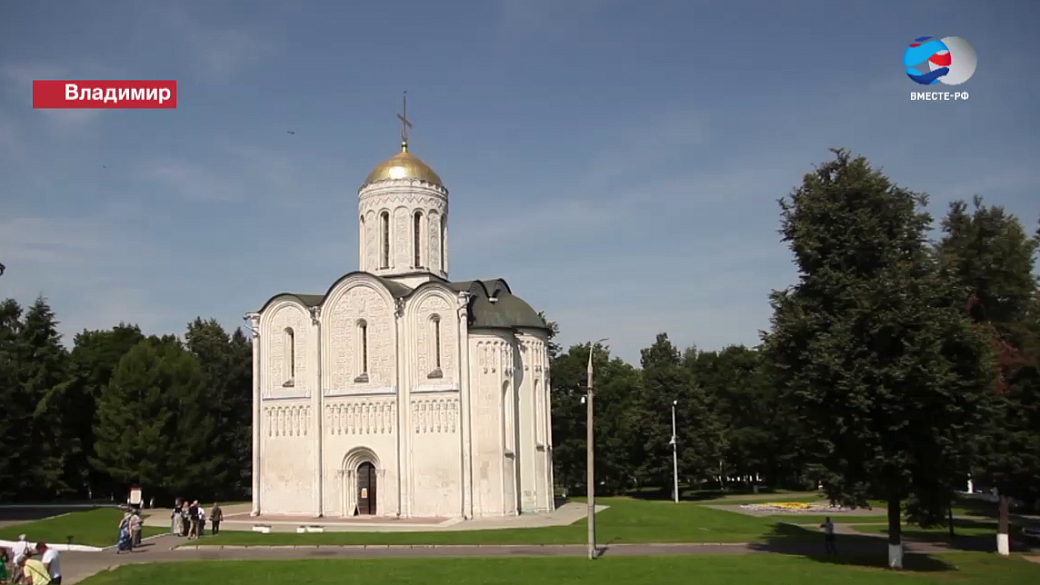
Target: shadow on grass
<point>853,550</point>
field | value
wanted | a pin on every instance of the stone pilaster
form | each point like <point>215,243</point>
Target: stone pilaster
<point>463,377</point>
<point>253,320</point>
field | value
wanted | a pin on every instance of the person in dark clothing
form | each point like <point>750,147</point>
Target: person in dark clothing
<point>216,517</point>
<point>193,517</point>
<point>828,537</point>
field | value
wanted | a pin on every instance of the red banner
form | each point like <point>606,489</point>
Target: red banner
<point>105,94</point>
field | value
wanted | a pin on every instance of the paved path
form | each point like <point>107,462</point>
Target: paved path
<point>78,566</point>
<point>237,518</point>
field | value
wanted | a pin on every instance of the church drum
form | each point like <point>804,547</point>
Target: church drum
<point>366,496</point>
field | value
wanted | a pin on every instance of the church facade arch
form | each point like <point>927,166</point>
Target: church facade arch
<point>358,338</point>
<point>361,472</point>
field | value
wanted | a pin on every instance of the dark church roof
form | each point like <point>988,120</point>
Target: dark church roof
<point>492,304</point>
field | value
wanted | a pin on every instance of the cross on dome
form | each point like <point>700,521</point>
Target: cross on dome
<point>405,124</point>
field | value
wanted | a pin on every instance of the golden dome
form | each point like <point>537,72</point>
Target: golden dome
<point>403,165</point>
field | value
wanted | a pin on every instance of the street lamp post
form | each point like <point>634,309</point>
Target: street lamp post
<point>675,457</point>
<point>591,450</point>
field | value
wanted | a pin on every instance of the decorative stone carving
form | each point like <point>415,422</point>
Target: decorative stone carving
<point>433,239</point>
<point>362,417</point>
<point>400,250</point>
<point>282,379</point>
<point>435,415</point>
<point>286,421</point>
<point>427,311</point>
<point>343,373</point>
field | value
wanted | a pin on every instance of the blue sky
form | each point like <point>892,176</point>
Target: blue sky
<point>645,143</point>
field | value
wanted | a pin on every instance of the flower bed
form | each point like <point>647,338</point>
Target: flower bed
<point>791,507</point>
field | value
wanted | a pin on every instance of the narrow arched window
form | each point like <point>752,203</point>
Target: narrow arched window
<point>437,341</point>
<point>435,347</point>
<point>417,238</point>
<point>444,227</point>
<point>289,354</point>
<point>384,234</point>
<point>363,330</point>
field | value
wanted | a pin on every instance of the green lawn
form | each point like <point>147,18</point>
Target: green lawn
<point>625,521</point>
<point>962,527</point>
<point>97,527</point>
<point>960,569</point>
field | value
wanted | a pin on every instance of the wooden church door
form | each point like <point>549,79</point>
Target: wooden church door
<point>366,496</point>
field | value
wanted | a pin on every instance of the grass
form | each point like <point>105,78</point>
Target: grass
<point>959,568</point>
<point>97,527</point>
<point>962,528</point>
<point>625,521</point>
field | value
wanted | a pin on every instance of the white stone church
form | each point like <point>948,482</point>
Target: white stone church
<point>399,393</point>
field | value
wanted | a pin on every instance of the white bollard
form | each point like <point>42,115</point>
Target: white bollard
<point>895,556</point>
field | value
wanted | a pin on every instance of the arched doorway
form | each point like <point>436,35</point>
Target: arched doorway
<point>366,488</point>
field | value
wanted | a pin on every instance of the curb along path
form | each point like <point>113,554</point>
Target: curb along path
<point>81,565</point>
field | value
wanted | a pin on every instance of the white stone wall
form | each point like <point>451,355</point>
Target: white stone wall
<point>287,458</point>
<point>433,393</point>
<point>494,440</point>
<point>436,470</point>
<point>357,429</point>
<point>403,199</point>
<point>536,489</point>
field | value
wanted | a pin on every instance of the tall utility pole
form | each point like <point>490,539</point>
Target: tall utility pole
<point>591,450</point>
<point>675,457</point>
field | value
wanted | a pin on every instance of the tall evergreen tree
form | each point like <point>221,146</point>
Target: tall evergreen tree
<point>888,375</point>
<point>43,371</point>
<point>227,372</point>
<point>152,428</point>
<point>988,258</point>
<point>94,357</point>
<point>16,412</point>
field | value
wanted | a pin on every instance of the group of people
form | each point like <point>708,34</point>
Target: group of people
<point>130,531</point>
<point>189,519</point>
<point>30,565</point>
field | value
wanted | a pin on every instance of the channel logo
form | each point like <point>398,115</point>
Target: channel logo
<point>950,60</point>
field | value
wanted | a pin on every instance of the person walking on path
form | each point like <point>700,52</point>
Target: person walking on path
<point>193,518</point>
<point>828,537</point>
<point>135,528</point>
<point>215,518</point>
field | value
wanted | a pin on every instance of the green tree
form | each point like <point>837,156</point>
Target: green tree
<point>746,407</point>
<point>226,362</point>
<point>16,413</point>
<point>151,427</point>
<point>42,372</point>
<point>989,259</point>
<point>94,357</point>
<point>888,375</point>
<point>699,438</point>
<point>617,383</point>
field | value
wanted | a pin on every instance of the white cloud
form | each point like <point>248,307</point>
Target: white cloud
<point>193,181</point>
<point>21,75</point>
<point>220,51</point>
